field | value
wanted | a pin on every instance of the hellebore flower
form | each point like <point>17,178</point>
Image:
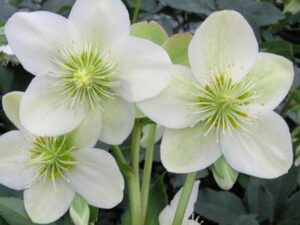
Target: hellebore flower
<point>51,170</point>
<point>166,217</point>
<point>86,66</point>
<point>224,104</point>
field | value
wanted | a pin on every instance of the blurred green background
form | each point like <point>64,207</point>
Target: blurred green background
<point>251,201</point>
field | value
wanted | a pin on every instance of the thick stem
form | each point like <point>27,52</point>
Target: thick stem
<point>134,179</point>
<point>184,198</point>
<point>136,11</point>
<point>148,168</point>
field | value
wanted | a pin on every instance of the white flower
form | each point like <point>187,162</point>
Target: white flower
<point>6,49</point>
<point>146,130</point>
<point>166,217</point>
<point>52,169</point>
<point>85,64</point>
<point>224,104</point>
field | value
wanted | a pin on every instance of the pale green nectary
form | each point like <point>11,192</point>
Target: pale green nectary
<point>86,66</point>
<point>224,104</point>
<point>167,215</point>
<point>51,170</point>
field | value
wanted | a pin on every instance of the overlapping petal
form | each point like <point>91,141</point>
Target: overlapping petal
<point>224,44</point>
<point>97,178</point>
<point>43,110</point>
<point>37,37</point>
<point>144,68</point>
<point>102,21</point>
<point>264,150</point>
<point>11,106</point>
<point>14,170</point>
<point>173,107</point>
<point>190,149</point>
<point>272,77</point>
<point>46,202</point>
<point>117,120</point>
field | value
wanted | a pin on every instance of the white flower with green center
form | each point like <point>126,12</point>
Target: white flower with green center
<point>166,217</point>
<point>51,170</point>
<point>224,104</point>
<point>86,66</point>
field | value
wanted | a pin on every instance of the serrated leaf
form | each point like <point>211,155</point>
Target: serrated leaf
<point>158,200</point>
<point>151,31</point>
<point>177,48</point>
<point>219,206</point>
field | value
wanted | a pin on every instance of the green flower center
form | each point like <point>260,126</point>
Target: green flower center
<point>221,103</point>
<point>52,156</point>
<point>87,76</point>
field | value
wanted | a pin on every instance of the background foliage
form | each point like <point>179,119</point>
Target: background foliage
<point>251,201</point>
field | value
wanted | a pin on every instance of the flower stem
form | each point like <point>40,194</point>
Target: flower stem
<point>136,11</point>
<point>147,169</point>
<point>117,152</point>
<point>134,179</point>
<point>184,198</point>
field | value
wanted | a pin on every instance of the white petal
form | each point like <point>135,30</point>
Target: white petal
<point>36,37</point>
<point>145,134</point>
<point>272,77</point>
<point>223,44</point>
<point>97,178</point>
<point>264,151</point>
<point>117,121</point>
<point>101,21</point>
<point>44,112</point>
<point>167,215</point>
<point>190,149</point>
<point>87,133</point>
<point>144,68</point>
<point>45,203</point>
<point>11,107</point>
<point>14,157</point>
<point>173,107</point>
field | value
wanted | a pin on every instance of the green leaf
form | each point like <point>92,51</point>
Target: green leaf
<point>13,211</point>
<point>205,7</point>
<point>290,214</point>
<point>219,206</point>
<point>151,31</point>
<point>94,214</point>
<point>257,13</point>
<point>259,199</point>
<point>158,200</point>
<point>224,174</point>
<point>177,48</point>
<point>241,220</point>
<point>279,47</point>
<point>80,211</point>
<point>281,188</point>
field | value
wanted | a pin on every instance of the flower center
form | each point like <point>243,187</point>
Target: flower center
<point>87,75</point>
<point>221,103</point>
<point>52,156</point>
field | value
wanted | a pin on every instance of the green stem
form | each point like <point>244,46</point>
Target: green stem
<point>136,11</point>
<point>134,179</point>
<point>184,198</point>
<point>148,168</point>
<point>117,152</point>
